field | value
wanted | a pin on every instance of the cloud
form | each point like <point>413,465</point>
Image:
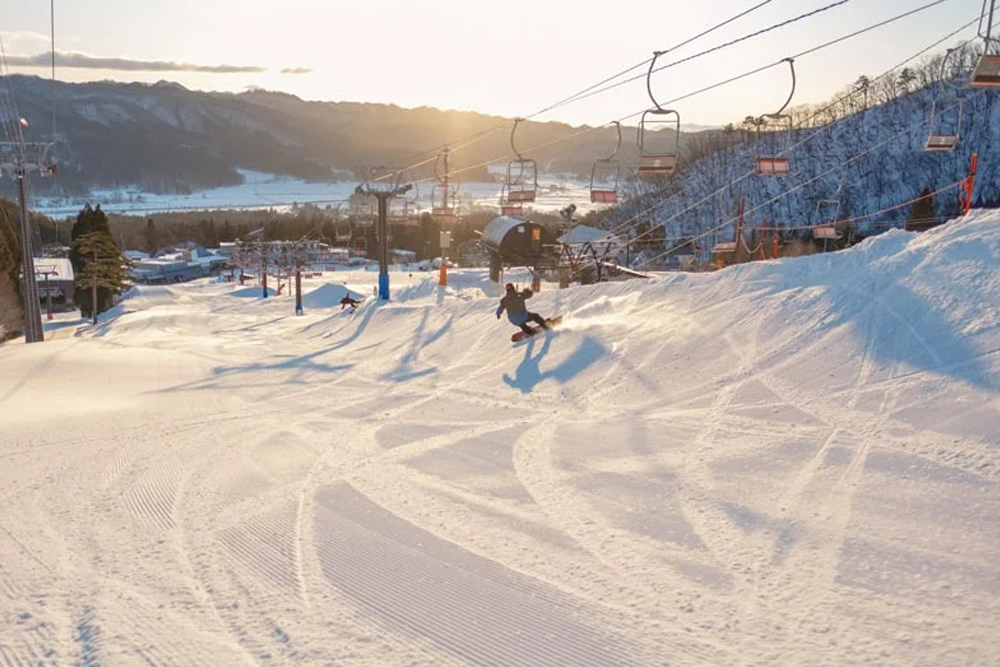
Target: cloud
<point>297,70</point>
<point>80,60</point>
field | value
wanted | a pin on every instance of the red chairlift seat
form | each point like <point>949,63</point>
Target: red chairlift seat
<point>605,174</point>
<point>946,115</point>
<point>774,131</point>
<point>652,122</point>
<point>658,163</point>
<point>521,196</point>
<point>522,180</point>
<point>941,142</point>
<point>522,175</point>
<point>987,72</point>
<point>655,165</point>
<point>598,196</point>
<point>772,166</point>
<point>511,210</point>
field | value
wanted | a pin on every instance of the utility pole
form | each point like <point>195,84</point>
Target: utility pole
<point>444,191</point>
<point>21,165</point>
<point>46,272</point>
<point>383,192</point>
<point>263,269</point>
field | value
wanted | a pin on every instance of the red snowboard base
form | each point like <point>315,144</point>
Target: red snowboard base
<point>520,335</point>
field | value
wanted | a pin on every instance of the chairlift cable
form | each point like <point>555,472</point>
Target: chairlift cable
<point>719,84</point>
<point>820,112</point>
<point>787,192</point>
<point>580,95</point>
<point>719,47</point>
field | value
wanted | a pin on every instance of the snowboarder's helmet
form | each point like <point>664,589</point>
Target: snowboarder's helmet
<point>509,287</point>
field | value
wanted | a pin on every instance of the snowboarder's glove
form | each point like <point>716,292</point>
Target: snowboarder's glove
<point>498,316</point>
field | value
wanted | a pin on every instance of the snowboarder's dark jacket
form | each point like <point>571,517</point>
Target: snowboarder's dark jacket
<point>513,303</point>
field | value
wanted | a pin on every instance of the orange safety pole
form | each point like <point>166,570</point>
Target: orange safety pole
<point>443,275</point>
<point>776,245</point>
<point>965,191</point>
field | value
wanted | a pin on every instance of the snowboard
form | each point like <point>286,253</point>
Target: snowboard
<point>520,335</point>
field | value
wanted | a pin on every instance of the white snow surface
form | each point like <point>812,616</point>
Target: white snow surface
<point>793,462</point>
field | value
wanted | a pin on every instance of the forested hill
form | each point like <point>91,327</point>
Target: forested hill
<point>165,138</point>
<point>863,166</point>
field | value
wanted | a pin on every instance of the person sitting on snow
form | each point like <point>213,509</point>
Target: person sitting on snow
<point>517,312</point>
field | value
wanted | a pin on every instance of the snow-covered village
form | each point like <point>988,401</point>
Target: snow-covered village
<point>696,364</point>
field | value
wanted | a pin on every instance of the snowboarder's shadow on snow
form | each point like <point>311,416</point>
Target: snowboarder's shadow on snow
<point>528,373</point>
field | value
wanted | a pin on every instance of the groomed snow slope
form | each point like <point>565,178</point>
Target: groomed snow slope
<point>785,463</point>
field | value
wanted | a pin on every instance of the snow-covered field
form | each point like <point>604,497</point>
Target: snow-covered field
<point>270,191</point>
<point>785,463</point>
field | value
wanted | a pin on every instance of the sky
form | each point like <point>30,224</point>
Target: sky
<point>509,59</point>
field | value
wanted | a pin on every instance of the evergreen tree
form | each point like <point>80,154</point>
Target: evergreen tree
<point>89,221</point>
<point>922,216</point>
<point>152,238</point>
<point>10,271</point>
<point>104,268</point>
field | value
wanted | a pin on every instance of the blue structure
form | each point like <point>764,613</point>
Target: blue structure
<point>383,285</point>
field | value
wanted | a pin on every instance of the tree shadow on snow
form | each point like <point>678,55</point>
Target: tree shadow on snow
<point>897,326</point>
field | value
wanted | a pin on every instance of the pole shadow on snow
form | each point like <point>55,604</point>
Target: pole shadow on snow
<point>404,368</point>
<point>305,366</point>
<point>528,373</point>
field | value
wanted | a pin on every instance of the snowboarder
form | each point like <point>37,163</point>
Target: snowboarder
<point>517,312</point>
<point>348,301</point>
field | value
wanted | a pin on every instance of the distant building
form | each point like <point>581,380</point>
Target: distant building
<point>397,256</point>
<point>185,262</point>
<point>55,279</point>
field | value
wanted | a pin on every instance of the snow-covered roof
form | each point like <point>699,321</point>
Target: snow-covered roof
<point>61,265</point>
<point>585,234</point>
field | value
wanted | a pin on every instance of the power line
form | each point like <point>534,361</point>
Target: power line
<point>719,47</point>
<point>807,139</point>
<point>719,84</point>
<point>580,95</point>
<point>838,167</point>
<point>814,115</point>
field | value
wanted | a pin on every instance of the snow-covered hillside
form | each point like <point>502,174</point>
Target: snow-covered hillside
<point>868,163</point>
<point>787,463</point>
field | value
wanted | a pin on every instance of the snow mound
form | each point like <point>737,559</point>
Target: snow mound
<point>328,296</point>
<point>252,292</point>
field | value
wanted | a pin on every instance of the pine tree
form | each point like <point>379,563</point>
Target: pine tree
<point>152,238</point>
<point>10,269</point>
<point>104,268</point>
<point>93,221</point>
<point>922,216</point>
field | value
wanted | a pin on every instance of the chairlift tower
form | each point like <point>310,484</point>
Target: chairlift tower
<point>383,191</point>
<point>20,158</point>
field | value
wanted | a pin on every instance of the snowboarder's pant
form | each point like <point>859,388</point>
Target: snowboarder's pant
<point>537,319</point>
